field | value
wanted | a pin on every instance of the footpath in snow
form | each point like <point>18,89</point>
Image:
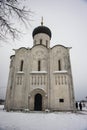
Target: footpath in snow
<point>43,121</point>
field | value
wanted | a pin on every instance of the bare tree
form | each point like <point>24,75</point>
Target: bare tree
<point>10,9</point>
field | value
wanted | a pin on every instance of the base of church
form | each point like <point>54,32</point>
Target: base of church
<point>42,111</point>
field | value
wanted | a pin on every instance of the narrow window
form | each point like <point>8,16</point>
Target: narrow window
<point>46,43</point>
<point>61,100</point>
<point>59,65</point>
<point>40,41</point>
<point>34,42</point>
<point>39,65</point>
<point>21,65</point>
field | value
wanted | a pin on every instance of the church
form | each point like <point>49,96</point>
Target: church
<point>40,78</point>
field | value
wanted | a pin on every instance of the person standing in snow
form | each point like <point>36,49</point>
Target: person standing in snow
<point>76,105</point>
<point>80,106</point>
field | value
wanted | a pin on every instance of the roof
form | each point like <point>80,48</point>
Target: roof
<point>42,29</point>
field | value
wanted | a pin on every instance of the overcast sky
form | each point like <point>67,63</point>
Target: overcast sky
<point>67,20</point>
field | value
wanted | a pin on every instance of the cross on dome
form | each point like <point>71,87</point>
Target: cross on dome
<point>41,21</point>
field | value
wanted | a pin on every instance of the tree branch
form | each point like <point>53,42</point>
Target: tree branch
<point>8,8</point>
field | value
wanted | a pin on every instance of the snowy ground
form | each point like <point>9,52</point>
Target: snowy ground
<point>43,121</point>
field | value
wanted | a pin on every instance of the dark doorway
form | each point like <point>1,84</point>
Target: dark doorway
<point>38,102</point>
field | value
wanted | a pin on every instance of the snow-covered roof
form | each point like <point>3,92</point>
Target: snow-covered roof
<point>62,71</point>
<point>38,72</point>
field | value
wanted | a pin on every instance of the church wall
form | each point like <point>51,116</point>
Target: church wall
<point>61,92</point>
<point>39,53</point>
<point>10,84</point>
<point>59,79</point>
<point>52,83</point>
<point>38,78</point>
<point>44,37</point>
<point>38,81</point>
<point>71,88</point>
<point>19,85</point>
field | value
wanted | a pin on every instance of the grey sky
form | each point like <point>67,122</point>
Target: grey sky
<point>67,20</point>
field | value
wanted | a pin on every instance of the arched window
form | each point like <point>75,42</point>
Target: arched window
<point>40,41</point>
<point>21,65</point>
<point>39,65</point>
<point>34,42</point>
<point>59,65</point>
<point>46,43</point>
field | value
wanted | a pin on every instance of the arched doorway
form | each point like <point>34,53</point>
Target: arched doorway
<point>38,102</point>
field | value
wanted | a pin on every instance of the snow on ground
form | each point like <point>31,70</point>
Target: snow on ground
<point>43,121</point>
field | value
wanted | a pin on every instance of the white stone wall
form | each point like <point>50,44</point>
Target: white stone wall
<point>51,83</point>
<point>60,88</point>
<point>39,53</point>
<point>44,38</point>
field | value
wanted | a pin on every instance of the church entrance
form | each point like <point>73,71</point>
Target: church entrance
<point>38,102</point>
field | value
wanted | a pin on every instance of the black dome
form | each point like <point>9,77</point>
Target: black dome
<point>41,29</point>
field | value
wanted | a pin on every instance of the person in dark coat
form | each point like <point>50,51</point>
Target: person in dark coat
<point>80,106</point>
<point>76,105</point>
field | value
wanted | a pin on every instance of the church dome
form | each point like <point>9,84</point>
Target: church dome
<point>42,29</point>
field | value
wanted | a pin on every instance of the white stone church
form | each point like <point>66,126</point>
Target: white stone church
<point>40,77</point>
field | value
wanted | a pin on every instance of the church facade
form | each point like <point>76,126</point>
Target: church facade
<point>40,77</point>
